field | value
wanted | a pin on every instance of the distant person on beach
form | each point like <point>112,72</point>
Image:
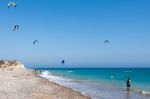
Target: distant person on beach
<point>40,71</point>
<point>128,83</point>
<point>36,70</point>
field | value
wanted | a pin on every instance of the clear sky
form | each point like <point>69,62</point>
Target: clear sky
<point>75,30</point>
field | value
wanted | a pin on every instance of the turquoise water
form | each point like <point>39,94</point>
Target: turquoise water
<point>103,80</point>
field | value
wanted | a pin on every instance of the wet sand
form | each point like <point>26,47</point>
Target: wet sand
<point>25,84</point>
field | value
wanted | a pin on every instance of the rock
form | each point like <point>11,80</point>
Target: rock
<point>10,65</point>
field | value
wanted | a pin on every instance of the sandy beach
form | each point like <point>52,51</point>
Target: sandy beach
<point>25,84</point>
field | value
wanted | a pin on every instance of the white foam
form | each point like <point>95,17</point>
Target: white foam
<point>70,71</point>
<point>145,92</point>
<point>48,75</point>
<point>46,72</point>
<point>127,71</point>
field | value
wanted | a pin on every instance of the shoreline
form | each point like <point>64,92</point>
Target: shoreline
<point>103,90</point>
<point>26,84</point>
<point>36,74</point>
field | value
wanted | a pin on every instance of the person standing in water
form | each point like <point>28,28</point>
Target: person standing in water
<point>128,84</point>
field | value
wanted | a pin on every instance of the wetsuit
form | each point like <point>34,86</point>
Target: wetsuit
<point>128,83</point>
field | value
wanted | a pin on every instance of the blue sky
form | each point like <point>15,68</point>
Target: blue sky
<point>75,30</point>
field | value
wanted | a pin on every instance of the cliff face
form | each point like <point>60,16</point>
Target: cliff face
<point>10,65</point>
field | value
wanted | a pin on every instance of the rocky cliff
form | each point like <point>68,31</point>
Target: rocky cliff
<point>10,65</point>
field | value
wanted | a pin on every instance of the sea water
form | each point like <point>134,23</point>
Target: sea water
<point>103,83</point>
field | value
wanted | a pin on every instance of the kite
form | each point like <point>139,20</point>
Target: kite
<point>106,42</point>
<point>35,41</point>
<point>63,62</point>
<point>12,4</point>
<point>16,27</point>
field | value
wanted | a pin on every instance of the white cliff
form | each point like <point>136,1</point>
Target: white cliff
<point>10,65</point>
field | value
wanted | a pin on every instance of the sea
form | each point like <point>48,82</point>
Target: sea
<point>102,83</point>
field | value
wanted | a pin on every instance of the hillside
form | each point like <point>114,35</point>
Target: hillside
<point>10,65</point>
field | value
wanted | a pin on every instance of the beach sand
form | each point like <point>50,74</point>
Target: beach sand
<point>25,84</point>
